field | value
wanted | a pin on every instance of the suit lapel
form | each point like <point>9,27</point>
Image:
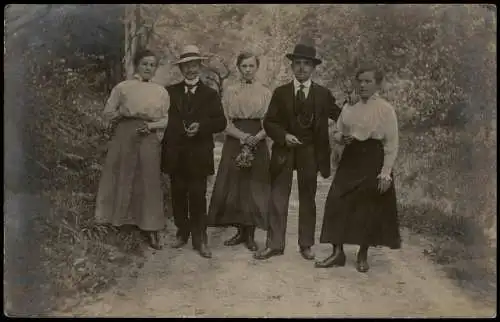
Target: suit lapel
<point>290,99</point>
<point>198,94</point>
<point>179,98</point>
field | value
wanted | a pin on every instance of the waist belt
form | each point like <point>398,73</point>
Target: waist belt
<point>249,119</point>
<point>134,118</point>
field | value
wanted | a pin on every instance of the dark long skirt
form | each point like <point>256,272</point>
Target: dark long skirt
<point>130,187</point>
<point>241,196</point>
<point>355,211</point>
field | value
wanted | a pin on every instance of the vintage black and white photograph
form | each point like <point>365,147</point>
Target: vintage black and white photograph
<point>250,160</point>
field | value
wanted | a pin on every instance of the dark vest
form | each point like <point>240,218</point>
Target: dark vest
<point>303,127</point>
<point>188,106</point>
<point>187,114</point>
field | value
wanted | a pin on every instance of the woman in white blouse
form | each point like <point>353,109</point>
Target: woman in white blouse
<point>241,191</point>
<point>361,204</point>
<point>130,187</point>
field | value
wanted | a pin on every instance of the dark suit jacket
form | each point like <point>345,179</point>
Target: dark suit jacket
<point>280,117</point>
<point>196,153</point>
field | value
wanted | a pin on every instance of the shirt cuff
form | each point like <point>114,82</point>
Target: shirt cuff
<point>261,135</point>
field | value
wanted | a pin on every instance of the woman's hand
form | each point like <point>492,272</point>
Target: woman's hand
<point>244,138</point>
<point>252,140</point>
<point>144,129</point>
<point>112,123</point>
<point>347,139</point>
<point>249,139</point>
<point>343,139</point>
<point>384,183</point>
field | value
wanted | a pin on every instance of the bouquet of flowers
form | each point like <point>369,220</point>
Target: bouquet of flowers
<point>245,157</point>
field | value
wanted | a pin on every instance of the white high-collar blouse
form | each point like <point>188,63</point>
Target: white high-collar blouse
<point>374,119</point>
<point>136,98</point>
<point>245,101</point>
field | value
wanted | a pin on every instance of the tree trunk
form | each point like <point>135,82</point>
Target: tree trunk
<point>141,32</point>
<point>130,40</point>
<point>135,37</point>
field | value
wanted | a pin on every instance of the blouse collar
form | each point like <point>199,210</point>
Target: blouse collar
<point>374,97</point>
<point>247,83</point>
<point>139,78</point>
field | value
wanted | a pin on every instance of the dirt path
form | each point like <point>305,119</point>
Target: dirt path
<point>175,283</point>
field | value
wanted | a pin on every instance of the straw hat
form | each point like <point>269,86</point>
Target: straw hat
<point>190,53</point>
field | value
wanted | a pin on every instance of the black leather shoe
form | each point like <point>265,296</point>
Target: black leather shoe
<point>307,253</point>
<point>362,260</point>
<point>268,253</point>
<point>236,239</point>
<point>154,240</point>
<point>334,260</point>
<point>179,242</point>
<point>250,239</point>
<point>204,251</point>
<point>362,266</point>
<point>251,245</point>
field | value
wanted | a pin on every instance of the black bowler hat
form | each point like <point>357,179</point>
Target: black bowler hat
<point>304,51</point>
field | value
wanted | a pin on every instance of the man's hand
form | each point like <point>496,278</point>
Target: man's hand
<point>193,129</point>
<point>291,140</point>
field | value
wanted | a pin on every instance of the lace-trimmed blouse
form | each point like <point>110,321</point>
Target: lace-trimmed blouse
<point>246,101</point>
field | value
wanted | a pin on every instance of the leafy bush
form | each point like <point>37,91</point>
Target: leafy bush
<point>58,93</point>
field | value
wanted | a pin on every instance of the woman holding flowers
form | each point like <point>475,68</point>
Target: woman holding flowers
<point>242,187</point>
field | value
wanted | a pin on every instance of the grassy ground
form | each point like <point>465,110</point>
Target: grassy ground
<point>448,203</point>
<point>457,245</point>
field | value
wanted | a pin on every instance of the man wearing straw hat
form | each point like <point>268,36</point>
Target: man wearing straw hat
<point>187,155</point>
<point>297,122</point>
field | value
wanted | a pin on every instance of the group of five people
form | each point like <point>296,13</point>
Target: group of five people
<point>171,130</point>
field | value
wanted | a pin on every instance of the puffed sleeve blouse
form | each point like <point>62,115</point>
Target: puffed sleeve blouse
<point>245,101</point>
<point>376,119</point>
<point>137,98</point>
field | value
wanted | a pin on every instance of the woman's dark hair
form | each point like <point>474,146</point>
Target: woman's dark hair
<point>141,54</point>
<point>378,73</point>
<point>245,55</point>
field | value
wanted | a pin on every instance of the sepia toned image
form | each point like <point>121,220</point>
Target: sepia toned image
<point>250,160</point>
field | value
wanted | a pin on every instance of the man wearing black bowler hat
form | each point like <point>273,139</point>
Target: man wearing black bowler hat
<point>297,122</point>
